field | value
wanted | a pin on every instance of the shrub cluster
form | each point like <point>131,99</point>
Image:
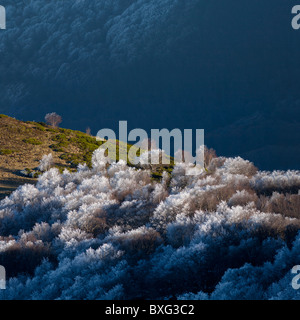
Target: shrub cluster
<point>112,232</point>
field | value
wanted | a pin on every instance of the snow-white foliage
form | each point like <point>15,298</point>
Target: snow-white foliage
<point>99,160</point>
<point>46,162</point>
<point>276,180</point>
<point>111,232</point>
<point>242,198</point>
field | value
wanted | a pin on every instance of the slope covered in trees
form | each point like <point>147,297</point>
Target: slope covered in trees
<point>112,232</point>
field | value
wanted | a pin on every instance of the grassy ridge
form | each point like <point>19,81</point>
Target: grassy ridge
<point>23,144</point>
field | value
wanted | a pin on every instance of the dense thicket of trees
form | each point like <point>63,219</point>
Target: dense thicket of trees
<point>110,232</point>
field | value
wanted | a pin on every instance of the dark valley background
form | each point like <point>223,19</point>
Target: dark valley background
<point>229,67</point>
